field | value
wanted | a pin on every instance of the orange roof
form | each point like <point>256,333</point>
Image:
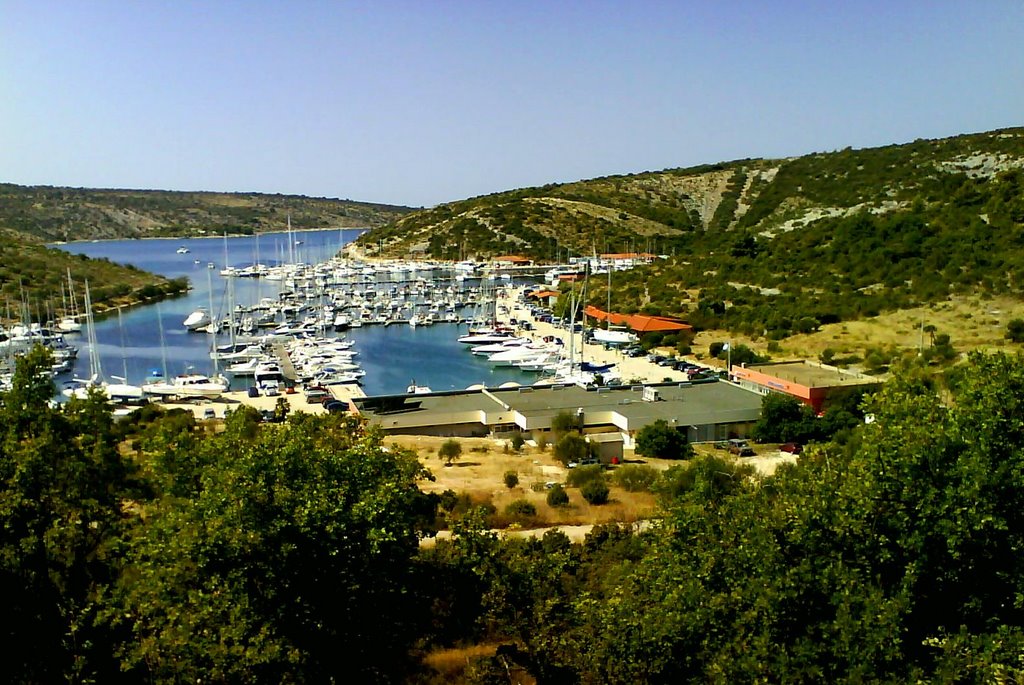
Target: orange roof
<point>544,293</point>
<point>628,255</point>
<point>638,322</point>
<point>512,258</point>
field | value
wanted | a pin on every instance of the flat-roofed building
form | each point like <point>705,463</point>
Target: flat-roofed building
<point>814,384</point>
<point>705,411</point>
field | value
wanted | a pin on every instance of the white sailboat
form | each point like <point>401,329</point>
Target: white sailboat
<point>121,391</point>
<point>70,323</point>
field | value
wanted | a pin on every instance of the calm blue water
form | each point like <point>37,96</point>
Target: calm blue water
<point>392,356</point>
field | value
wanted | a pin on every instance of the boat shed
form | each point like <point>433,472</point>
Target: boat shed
<point>708,411</point>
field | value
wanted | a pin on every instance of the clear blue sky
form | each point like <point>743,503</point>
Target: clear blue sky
<point>423,102</point>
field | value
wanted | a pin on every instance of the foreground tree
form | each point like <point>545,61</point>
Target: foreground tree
<point>290,562</point>
<point>62,484</point>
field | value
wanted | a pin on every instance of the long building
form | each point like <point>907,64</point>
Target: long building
<point>705,411</point>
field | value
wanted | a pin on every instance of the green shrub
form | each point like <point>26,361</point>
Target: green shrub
<point>557,496</point>
<point>635,478</point>
<point>511,479</point>
<point>595,491</point>
<point>450,450</point>
<point>521,508</point>
<point>663,441</point>
<point>571,447</point>
<point>582,475</point>
<point>517,441</point>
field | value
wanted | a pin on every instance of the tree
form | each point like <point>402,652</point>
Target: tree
<point>572,447</point>
<point>784,419</point>
<point>595,491</point>
<point>557,496</point>
<point>1015,330</point>
<point>662,441</point>
<point>62,486</point>
<point>511,479</point>
<point>291,562</point>
<point>564,422</point>
<point>450,450</point>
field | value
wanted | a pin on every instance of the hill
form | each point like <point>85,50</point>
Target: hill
<point>54,213</point>
<point>769,248</point>
<point>33,278</point>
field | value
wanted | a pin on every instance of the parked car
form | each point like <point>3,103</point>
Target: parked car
<point>208,414</point>
<point>791,448</point>
<point>741,448</point>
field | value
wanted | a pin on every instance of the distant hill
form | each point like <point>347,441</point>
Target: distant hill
<point>33,281</point>
<point>54,213</point>
<point>768,247</point>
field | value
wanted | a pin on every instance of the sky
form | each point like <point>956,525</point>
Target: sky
<point>423,102</point>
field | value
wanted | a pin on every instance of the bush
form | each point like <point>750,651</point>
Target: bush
<point>582,475</point>
<point>595,491</point>
<point>511,479</point>
<point>662,441</point>
<point>521,508</point>
<point>557,496</point>
<point>635,478</point>
<point>1015,330</point>
<point>517,441</point>
<point>563,423</point>
<point>571,447</point>
<point>450,450</point>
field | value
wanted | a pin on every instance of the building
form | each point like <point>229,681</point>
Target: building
<point>639,323</point>
<point>814,384</point>
<point>707,411</point>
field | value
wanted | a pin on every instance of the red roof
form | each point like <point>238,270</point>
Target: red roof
<point>544,293</point>
<point>515,258</point>
<point>640,323</point>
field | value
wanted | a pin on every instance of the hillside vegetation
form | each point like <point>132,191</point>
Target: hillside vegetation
<point>31,274</point>
<point>33,278</point>
<point>769,247</point>
<point>54,213</point>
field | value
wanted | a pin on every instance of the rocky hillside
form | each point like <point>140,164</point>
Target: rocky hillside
<point>666,211</point>
<point>54,214</point>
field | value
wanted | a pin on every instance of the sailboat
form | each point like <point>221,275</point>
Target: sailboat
<point>114,392</point>
<point>70,323</point>
<point>190,383</point>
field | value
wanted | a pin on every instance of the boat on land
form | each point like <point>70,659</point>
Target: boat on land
<point>187,385</point>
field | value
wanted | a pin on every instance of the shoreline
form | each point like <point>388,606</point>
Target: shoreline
<point>205,237</point>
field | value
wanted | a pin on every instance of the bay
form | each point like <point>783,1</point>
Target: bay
<point>392,356</point>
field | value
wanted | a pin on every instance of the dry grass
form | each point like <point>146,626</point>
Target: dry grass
<point>447,666</point>
<point>480,474</point>
<point>972,322</point>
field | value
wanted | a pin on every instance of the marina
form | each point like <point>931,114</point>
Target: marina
<point>253,327</point>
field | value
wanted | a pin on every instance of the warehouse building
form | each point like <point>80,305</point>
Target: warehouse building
<point>705,411</point>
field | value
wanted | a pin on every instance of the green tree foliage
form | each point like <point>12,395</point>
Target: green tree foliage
<point>581,475</point>
<point>293,557</point>
<point>663,441</point>
<point>571,447</point>
<point>595,491</point>
<point>62,481</point>
<point>1015,330</point>
<point>450,450</point>
<point>521,508</point>
<point>635,477</point>
<point>557,496</point>
<point>564,422</point>
<point>511,479</point>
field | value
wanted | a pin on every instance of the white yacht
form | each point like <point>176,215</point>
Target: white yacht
<point>188,385</point>
<point>197,320</point>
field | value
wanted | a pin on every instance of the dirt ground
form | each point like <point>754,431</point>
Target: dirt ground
<point>480,471</point>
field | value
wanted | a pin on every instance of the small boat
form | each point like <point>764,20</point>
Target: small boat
<point>199,319</point>
<point>183,250</point>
